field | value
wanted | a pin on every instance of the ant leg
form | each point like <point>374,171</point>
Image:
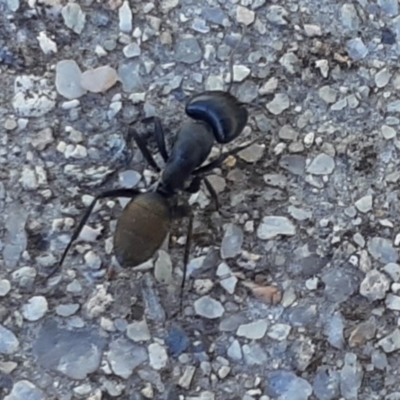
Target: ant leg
<point>186,258</point>
<point>244,28</point>
<point>131,193</point>
<point>212,192</point>
<point>159,135</point>
<point>132,133</point>
<point>194,187</point>
<point>217,162</point>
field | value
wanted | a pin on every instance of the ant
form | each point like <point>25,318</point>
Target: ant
<point>146,220</point>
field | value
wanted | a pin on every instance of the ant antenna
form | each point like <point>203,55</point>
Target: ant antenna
<point>239,43</point>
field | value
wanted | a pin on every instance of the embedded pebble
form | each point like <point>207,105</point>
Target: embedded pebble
<point>99,80</point>
<point>187,50</point>
<point>275,226</point>
<point>68,79</point>
<point>9,343</point>
<point>66,310</point>
<point>279,331</point>
<point>391,342</point>
<point>382,250</point>
<point>228,281</point>
<point>322,164</point>
<point>375,285</point>
<point>74,17</point>
<point>35,309</point>
<point>364,204</point>
<point>357,49</point>
<point>232,241</point>
<point>209,308</point>
<point>138,331</point>
<point>277,15</point>
<point>25,390</point>
<point>125,17</point>
<point>158,356</point>
<point>253,330</point>
<point>5,287</point>
<point>388,132</point>
<point>279,104</point>
<point>244,15</point>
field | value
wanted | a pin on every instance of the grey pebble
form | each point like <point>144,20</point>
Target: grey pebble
<point>273,226</point>
<point>74,17</point>
<point>35,309</point>
<point>286,385</point>
<point>66,310</point>
<point>232,241</point>
<point>73,346</point>
<point>5,287</point>
<point>124,357</point>
<point>68,79</point>
<point>8,341</point>
<point>279,332</point>
<point>253,330</point>
<point>208,307</point>
<point>328,94</point>
<point>357,49</point>
<point>214,15</point>
<point>393,270</point>
<point>349,17</point>
<point>138,331</point>
<point>326,384</point>
<point>391,342</point>
<point>279,104</point>
<point>235,351</point>
<point>390,7</point>
<point>158,357</point>
<point>382,250</point>
<point>382,78</point>
<point>393,302</point>
<point>25,390</point>
<point>125,17</point>
<point>132,50</point>
<point>187,50</point>
<point>277,15</point>
<point>130,78</point>
<point>322,164</point>
<point>375,285</point>
<point>254,354</point>
<point>351,377</point>
<point>364,204</point>
<point>295,164</point>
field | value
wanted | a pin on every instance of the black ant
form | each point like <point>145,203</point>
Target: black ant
<point>146,220</point>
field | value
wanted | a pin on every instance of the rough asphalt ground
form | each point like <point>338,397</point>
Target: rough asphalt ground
<point>293,289</point>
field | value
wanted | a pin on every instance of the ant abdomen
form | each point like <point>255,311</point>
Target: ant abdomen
<point>220,110</point>
<point>141,229</point>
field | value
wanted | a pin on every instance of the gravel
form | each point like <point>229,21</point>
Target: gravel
<point>293,287</point>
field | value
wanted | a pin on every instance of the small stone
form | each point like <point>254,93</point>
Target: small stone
<point>92,260</point>
<point>163,268</point>
<point>349,17</point>
<point>228,280</point>
<point>240,73</point>
<point>322,164</point>
<point>382,78</point>
<point>244,15</point>
<point>328,94</point>
<point>68,79</point>
<point>391,342</point>
<point>42,139</point>
<point>125,17</point>
<point>209,308</point>
<point>8,341</point>
<point>393,302</point>
<point>5,287</point>
<point>235,351</point>
<point>47,45</point>
<point>351,377</point>
<point>375,285</point>
<point>186,379</point>
<point>187,50</point>
<point>279,104</point>
<point>66,310</point>
<point>357,49</point>
<point>25,390</point>
<point>131,50</point>
<point>10,124</point>
<point>273,226</point>
<point>364,204</point>
<point>74,17</point>
<point>99,80</point>
<point>276,15</point>
<point>138,331</point>
<point>288,133</point>
<point>393,270</point>
<point>363,333</point>
<point>326,384</point>
<point>388,132</point>
<point>382,250</point>
<point>158,356</point>
<point>269,87</point>
<point>253,153</point>
<point>35,309</point>
<point>287,385</point>
<point>13,5</point>
<point>254,330</point>
<point>312,30</point>
<point>390,7</point>
<point>279,332</point>
<point>232,242</point>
